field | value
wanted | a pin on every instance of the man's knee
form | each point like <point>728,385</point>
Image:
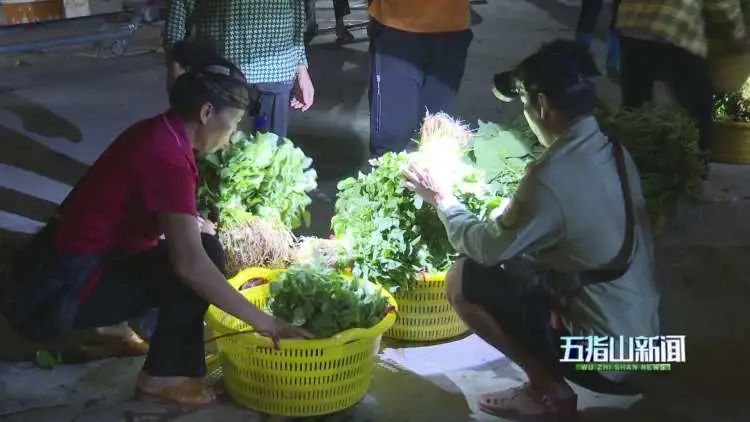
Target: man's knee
<point>214,250</point>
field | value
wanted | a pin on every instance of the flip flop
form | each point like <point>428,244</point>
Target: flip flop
<point>189,393</point>
<point>522,404</point>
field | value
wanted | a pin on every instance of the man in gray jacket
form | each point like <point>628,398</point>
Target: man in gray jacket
<point>572,253</point>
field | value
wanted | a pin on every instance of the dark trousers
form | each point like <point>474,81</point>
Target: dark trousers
<point>586,27</point>
<point>275,111</point>
<point>341,9</point>
<point>132,286</point>
<point>590,11</point>
<point>687,74</point>
<point>410,74</point>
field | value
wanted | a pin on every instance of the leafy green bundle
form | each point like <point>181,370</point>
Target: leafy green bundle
<point>503,154</point>
<point>663,142</point>
<point>257,174</point>
<point>393,236</point>
<point>324,302</point>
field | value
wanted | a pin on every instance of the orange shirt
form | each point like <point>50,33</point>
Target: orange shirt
<point>422,15</point>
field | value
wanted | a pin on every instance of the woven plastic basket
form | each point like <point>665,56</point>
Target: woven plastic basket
<point>424,313</point>
<point>303,378</point>
<point>731,142</point>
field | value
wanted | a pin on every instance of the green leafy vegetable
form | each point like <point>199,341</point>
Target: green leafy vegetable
<point>503,154</point>
<point>47,360</point>
<point>324,302</point>
<point>260,176</point>
<point>392,235</point>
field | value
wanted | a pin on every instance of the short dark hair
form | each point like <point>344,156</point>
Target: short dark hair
<point>561,70</point>
<point>209,78</point>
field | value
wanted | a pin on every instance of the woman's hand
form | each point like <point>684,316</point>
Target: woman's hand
<point>424,184</point>
<point>275,328</point>
<point>206,226</point>
<point>303,92</point>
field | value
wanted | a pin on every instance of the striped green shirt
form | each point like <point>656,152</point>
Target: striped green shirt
<point>265,38</point>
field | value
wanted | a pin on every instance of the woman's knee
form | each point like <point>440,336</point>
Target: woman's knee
<point>454,281</point>
<point>214,250</point>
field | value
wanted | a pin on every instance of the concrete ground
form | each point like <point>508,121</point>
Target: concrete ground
<point>59,111</point>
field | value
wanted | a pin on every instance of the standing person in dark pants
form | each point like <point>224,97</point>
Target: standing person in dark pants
<point>340,10</point>
<point>265,38</point>
<point>671,35</point>
<point>101,262</point>
<point>418,52</point>
<point>590,10</point>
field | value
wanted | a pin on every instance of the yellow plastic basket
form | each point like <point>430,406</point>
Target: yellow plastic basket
<point>424,313</point>
<point>303,378</point>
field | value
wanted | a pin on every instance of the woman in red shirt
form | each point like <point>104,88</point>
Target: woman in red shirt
<point>101,262</point>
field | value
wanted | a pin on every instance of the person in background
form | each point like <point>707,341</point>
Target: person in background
<point>265,38</point>
<point>672,36</point>
<point>418,51</point>
<point>572,253</point>
<point>340,10</point>
<point>590,10</point>
<point>101,261</point>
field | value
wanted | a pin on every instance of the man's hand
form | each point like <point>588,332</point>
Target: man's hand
<point>425,185</point>
<point>303,91</point>
<point>270,326</point>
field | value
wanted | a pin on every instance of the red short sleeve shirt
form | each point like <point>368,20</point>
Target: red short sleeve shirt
<point>149,169</point>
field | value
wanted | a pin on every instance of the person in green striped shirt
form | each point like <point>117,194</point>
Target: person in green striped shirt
<point>265,38</point>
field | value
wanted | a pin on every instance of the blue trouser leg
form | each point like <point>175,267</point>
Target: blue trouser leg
<point>590,10</point>
<point>396,75</point>
<point>411,74</point>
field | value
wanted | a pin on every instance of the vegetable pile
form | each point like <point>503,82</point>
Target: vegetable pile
<point>503,154</point>
<point>393,236</point>
<point>257,191</point>
<point>258,175</point>
<point>324,302</point>
<point>663,142</point>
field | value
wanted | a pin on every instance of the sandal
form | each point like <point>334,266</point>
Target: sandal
<point>522,403</point>
<point>189,393</point>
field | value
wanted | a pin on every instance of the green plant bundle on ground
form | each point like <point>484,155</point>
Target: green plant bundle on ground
<point>663,142</point>
<point>260,176</point>
<point>324,302</point>
<point>392,235</point>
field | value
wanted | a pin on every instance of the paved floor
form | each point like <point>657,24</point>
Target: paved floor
<point>58,111</point>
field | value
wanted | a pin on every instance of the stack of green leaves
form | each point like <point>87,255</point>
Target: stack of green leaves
<point>258,175</point>
<point>324,302</point>
<point>503,154</point>
<point>393,236</point>
<point>663,141</point>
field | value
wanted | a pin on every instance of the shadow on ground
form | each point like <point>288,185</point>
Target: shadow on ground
<point>39,120</point>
